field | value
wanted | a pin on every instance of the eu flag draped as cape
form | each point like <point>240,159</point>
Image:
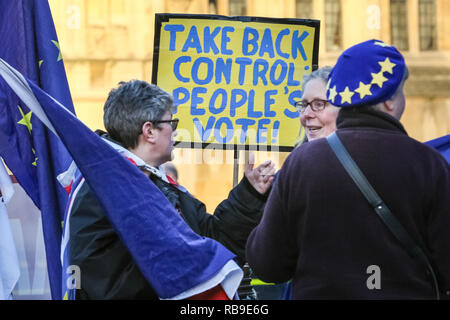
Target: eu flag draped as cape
<point>169,254</point>
<point>35,157</point>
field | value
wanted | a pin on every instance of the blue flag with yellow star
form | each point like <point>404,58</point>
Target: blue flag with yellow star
<point>35,157</point>
<point>177,262</point>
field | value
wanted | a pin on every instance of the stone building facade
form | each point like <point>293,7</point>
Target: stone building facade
<point>107,41</point>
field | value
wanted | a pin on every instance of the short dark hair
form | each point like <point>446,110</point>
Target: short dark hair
<point>130,105</point>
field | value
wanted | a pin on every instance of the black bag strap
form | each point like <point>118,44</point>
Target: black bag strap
<point>380,207</point>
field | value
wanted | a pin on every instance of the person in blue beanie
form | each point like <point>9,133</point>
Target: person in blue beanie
<point>318,228</point>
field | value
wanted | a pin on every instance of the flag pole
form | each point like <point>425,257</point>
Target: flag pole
<point>235,166</point>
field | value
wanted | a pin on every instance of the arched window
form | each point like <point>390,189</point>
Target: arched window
<point>238,7</point>
<point>427,25</point>
<point>303,9</point>
<point>333,25</point>
<point>212,7</point>
<point>399,24</point>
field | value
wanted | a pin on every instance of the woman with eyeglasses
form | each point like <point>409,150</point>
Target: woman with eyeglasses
<point>317,115</point>
<point>318,120</point>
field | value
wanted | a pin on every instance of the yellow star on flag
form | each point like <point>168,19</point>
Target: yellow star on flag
<point>35,159</point>
<point>346,95</point>
<point>26,119</point>
<point>332,95</point>
<point>378,79</point>
<point>381,44</point>
<point>386,65</point>
<point>59,49</point>
<point>363,90</point>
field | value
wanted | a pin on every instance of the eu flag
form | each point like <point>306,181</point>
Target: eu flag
<point>29,43</point>
<point>441,144</point>
<point>177,262</point>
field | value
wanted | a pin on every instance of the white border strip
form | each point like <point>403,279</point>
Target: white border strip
<point>66,235</point>
<point>229,277</point>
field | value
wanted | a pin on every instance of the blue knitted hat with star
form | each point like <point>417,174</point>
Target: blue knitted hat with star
<point>365,74</point>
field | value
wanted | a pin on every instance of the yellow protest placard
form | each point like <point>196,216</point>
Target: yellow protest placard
<point>235,80</point>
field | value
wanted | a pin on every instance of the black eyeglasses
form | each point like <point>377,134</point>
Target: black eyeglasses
<point>173,123</point>
<point>316,105</point>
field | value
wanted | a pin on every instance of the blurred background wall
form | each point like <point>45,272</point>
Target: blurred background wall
<point>107,41</point>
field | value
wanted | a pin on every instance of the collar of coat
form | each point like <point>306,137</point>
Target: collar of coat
<point>157,171</point>
<point>366,117</point>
